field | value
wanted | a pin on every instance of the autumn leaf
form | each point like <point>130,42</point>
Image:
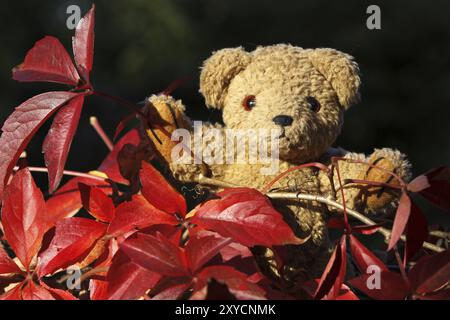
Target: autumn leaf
<point>401,219</point>
<point>73,239</point>
<point>136,214</point>
<point>125,280</point>
<point>431,273</point>
<point>333,276</point>
<point>7,265</point>
<point>59,138</point>
<point>391,285</point>
<point>66,201</point>
<point>416,232</point>
<point>236,282</point>
<point>202,247</point>
<point>96,202</point>
<point>159,192</point>
<point>246,216</point>
<point>23,216</point>
<point>21,125</point>
<point>83,44</point>
<point>364,258</point>
<point>434,186</point>
<point>47,61</point>
<point>155,253</point>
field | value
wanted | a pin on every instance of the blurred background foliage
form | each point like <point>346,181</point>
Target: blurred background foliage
<point>143,45</point>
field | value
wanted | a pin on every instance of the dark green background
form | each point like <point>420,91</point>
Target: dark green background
<point>141,46</point>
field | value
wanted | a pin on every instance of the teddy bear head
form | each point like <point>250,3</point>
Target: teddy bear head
<point>303,92</point>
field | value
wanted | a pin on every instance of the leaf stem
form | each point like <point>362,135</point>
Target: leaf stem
<point>99,129</point>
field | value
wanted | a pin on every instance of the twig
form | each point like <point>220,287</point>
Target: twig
<point>440,234</point>
<point>90,273</point>
<point>309,197</point>
<point>355,214</point>
<point>98,128</point>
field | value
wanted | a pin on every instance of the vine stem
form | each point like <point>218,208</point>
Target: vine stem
<point>66,172</point>
<point>310,197</point>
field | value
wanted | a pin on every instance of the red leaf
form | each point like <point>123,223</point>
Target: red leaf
<point>391,286</point>
<point>96,202</point>
<point>246,216</point>
<point>434,186</point>
<point>401,219</point>
<point>344,293</point>
<point>174,292</point>
<point>21,125</point>
<point>439,295</point>
<point>233,250</point>
<point>337,223</point>
<point>59,138</point>
<point>416,232</point>
<point>333,276</point>
<point>159,192</point>
<point>7,265</point>
<point>126,280</point>
<point>236,281</point>
<point>364,257</point>
<point>13,294</point>
<point>371,229</point>
<point>58,294</point>
<point>83,44</point>
<point>73,239</point>
<point>156,254</point>
<point>110,165</point>
<point>137,213</point>
<point>430,272</point>
<point>32,291</point>
<point>47,61</point>
<point>66,201</point>
<point>23,216</point>
<point>202,247</point>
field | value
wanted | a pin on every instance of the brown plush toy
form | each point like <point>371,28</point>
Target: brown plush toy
<point>302,93</point>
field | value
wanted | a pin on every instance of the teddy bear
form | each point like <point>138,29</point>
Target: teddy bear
<point>302,95</point>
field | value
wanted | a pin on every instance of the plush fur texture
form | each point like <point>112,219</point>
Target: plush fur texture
<point>314,87</point>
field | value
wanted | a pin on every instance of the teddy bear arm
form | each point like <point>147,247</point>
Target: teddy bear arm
<point>363,197</point>
<point>172,126</point>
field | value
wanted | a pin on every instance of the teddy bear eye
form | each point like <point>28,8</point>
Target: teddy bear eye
<point>249,102</point>
<point>313,103</point>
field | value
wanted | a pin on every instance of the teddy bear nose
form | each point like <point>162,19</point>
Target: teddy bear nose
<point>282,120</point>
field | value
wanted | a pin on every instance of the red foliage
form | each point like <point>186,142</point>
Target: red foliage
<point>133,230</point>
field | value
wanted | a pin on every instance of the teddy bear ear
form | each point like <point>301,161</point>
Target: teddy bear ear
<point>341,71</point>
<point>218,71</point>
